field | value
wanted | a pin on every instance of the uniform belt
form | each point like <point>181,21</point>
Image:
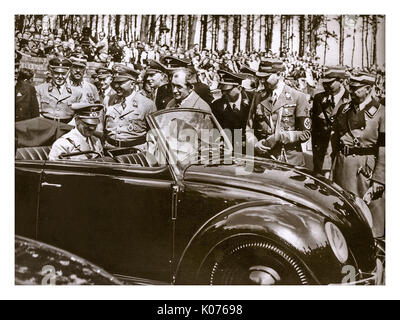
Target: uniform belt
<point>348,151</point>
<point>126,144</point>
<point>56,119</point>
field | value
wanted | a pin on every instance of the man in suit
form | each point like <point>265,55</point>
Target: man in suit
<point>183,80</point>
<point>158,78</point>
<point>323,112</point>
<point>232,109</point>
<point>280,123</point>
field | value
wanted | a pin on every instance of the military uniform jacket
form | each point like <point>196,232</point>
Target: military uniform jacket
<point>295,121</point>
<point>86,91</point>
<point>55,103</point>
<point>322,120</point>
<point>26,104</point>
<point>74,141</point>
<point>355,172</point>
<point>163,96</point>
<point>193,101</point>
<point>125,120</point>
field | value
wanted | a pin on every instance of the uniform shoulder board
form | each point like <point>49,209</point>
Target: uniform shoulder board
<point>69,90</point>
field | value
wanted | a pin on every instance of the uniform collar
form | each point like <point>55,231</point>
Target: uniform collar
<point>279,89</point>
<point>365,103</point>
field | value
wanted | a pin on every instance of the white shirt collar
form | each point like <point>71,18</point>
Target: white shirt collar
<point>237,103</point>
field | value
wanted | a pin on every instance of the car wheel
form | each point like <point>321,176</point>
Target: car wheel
<point>253,263</point>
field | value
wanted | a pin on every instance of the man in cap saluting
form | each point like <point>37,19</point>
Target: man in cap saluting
<point>80,141</point>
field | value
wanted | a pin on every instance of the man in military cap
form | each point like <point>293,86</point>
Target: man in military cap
<point>325,107</point>
<point>358,146</point>
<point>125,124</point>
<point>280,123</point>
<point>81,139</point>
<point>232,110</point>
<point>84,89</point>
<point>158,79</point>
<point>172,63</point>
<point>104,77</point>
<point>183,80</point>
<point>55,98</point>
<point>251,81</point>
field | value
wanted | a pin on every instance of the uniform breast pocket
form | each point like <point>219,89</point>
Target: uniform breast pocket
<point>137,125</point>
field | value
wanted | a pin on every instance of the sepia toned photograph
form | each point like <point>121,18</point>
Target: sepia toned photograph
<point>199,149</point>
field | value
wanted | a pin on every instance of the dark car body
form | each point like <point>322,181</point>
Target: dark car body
<point>168,225</point>
<point>37,263</point>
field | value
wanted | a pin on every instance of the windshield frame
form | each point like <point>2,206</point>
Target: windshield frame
<point>175,168</point>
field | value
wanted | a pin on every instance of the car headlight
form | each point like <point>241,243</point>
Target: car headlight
<point>337,242</point>
<point>365,211</point>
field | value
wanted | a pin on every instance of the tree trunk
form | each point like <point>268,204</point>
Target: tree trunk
<point>252,34</point>
<point>226,32</point>
<point>375,31</point>
<point>248,27</point>
<point>301,35</point>
<point>326,40</point>
<point>354,42</point>
<point>204,35</point>
<point>366,41</point>
<point>144,27</point>
<point>362,41</point>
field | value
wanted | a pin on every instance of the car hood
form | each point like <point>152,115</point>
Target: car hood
<point>293,184</point>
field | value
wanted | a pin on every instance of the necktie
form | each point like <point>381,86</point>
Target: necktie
<point>90,144</point>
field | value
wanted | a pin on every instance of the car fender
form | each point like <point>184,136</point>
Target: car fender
<point>295,228</point>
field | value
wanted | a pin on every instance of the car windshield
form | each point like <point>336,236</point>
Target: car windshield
<point>189,136</point>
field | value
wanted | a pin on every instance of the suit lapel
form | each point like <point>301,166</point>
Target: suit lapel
<point>281,101</point>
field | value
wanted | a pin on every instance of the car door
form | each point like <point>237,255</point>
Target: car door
<point>27,188</point>
<point>117,216</point>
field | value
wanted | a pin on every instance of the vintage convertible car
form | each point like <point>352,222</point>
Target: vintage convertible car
<point>190,211</point>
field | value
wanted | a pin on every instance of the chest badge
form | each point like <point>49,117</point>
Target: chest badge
<point>307,123</point>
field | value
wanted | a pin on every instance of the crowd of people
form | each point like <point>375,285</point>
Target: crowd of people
<point>279,102</point>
